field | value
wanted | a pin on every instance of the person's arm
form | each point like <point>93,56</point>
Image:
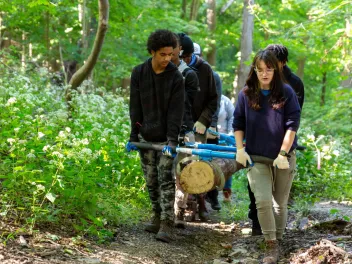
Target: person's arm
<point>218,85</point>
<point>208,111</point>
<point>239,126</point>
<point>136,114</point>
<point>175,111</point>
<point>292,113</point>
<point>191,88</point>
<point>288,140</point>
<point>239,135</point>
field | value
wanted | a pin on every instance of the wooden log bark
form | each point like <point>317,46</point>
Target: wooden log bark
<point>199,176</point>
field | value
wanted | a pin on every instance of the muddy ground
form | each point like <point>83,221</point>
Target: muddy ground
<point>319,237</point>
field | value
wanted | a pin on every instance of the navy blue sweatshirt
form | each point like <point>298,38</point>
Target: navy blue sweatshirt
<point>156,103</point>
<point>264,129</point>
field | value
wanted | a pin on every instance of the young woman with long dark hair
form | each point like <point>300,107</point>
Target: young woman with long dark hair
<point>267,115</point>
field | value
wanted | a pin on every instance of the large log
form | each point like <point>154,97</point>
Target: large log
<point>201,176</point>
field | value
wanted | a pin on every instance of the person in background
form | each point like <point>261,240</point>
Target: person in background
<point>203,109</point>
<point>212,138</point>
<point>267,115</point>
<point>225,120</point>
<point>191,89</point>
<point>157,88</point>
<point>296,83</point>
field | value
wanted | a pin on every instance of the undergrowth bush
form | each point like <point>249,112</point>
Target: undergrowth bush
<point>66,170</point>
<point>325,167</point>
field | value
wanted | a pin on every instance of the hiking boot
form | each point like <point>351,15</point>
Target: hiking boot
<point>165,231</point>
<point>271,252</point>
<point>203,215</point>
<point>180,216</point>
<point>227,195</point>
<point>154,225</point>
<point>256,229</point>
<point>212,198</point>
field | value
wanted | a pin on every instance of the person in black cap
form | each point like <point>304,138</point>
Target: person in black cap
<point>203,108</point>
<point>212,137</point>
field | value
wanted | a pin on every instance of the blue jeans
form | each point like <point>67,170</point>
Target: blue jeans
<point>228,183</point>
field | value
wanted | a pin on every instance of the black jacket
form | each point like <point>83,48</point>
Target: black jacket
<point>191,88</point>
<point>205,103</point>
<point>155,103</point>
<point>296,84</point>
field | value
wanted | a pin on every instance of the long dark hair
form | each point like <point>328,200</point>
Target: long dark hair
<point>252,89</point>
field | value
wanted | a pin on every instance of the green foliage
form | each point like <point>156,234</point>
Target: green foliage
<point>324,168</point>
<point>60,170</point>
<point>237,210</point>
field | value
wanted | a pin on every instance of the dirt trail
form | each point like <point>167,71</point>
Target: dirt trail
<point>213,242</point>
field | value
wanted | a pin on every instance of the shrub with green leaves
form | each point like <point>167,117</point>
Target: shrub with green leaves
<point>57,168</point>
<point>325,167</point>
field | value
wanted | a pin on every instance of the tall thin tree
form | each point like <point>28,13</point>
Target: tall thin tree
<point>246,45</point>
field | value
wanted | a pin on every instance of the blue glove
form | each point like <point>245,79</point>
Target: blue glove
<point>167,151</point>
<point>130,147</point>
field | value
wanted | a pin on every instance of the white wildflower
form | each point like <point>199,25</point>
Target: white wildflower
<point>45,148</point>
<point>336,153</point>
<point>11,101</point>
<point>40,135</point>
<point>311,137</point>
<point>57,154</point>
<point>11,140</point>
<point>16,129</point>
<point>31,156</point>
<point>326,148</point>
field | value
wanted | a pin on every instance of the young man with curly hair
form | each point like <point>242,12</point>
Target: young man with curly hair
<point>157,88</point>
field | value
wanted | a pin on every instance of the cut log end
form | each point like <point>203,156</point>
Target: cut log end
<point>197,177</point>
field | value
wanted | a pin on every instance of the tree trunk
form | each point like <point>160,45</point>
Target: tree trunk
<point>211,21</point>
<point>323,90</point>
<point>246,46</point>
<point>194,10</point>
<point>226,6</point>
<point>300,70</point>
<point>184,9</point>
<point>23,52</point>
<point>87,68</point>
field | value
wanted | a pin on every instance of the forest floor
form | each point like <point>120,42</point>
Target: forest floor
<point>319,237</point>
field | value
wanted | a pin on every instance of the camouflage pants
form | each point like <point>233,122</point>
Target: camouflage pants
<point>160,182</point>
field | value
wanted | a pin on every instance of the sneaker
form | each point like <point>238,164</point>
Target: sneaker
<point>180,218</point>
<point>227,195</point>
<point>165,231</point>
<point>154,225</point>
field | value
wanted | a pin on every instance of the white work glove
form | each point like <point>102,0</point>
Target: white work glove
<point>199,128</point>
<point>281,162</point>
<point>211,133</point>
<point>242,157</point>
<point>189,137</point>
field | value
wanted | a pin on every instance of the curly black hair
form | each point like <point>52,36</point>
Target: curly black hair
<point>280,52</point>
<point>161,38</point>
